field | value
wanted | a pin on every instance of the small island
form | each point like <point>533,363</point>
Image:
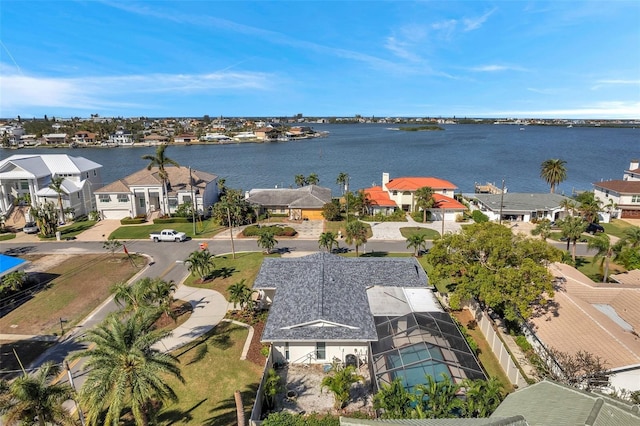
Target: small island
<point>421,128</point>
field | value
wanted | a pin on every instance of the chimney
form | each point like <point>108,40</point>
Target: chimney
<point>385,180</point>
<point>635,165</point>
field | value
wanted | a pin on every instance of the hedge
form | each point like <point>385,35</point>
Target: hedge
<point>278,231</point>
<point>172,220</point>
<point>132,221</point>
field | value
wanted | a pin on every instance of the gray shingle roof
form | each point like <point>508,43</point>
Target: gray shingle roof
<point>548,403</point>
<point>509,421</point>
<point>329,290</point>
<point>310,197</point>
<point>519,202</point>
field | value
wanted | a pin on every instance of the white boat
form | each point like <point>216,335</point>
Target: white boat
<point>569,126</point>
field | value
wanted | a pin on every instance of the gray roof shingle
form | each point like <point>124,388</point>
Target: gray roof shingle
<point>331,291</point>
<point>310,197</point>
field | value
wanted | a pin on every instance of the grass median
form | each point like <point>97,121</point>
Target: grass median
<point>204,229</point>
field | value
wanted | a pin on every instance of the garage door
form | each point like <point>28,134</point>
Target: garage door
<point>115,214</point>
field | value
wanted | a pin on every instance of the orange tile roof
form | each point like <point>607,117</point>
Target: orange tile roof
<point>414,183</point>
<point>444,202</point>
<point>379,197</point>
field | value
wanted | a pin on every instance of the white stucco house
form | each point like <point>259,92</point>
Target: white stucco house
<point>400,193</point>
<point>31,175</point>
<point>620,198</point>
<point>520,207</point>
<point>143,192</point>
<point>378,311</point>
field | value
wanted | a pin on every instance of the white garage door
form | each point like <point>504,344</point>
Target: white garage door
<point>115,214</point>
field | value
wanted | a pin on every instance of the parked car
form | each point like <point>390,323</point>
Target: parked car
<point>593,228</point>
<point>31,228</point>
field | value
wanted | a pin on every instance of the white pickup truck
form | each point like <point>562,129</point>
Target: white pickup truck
<point>168,235</point>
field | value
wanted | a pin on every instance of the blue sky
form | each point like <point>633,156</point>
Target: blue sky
<point>562,59</point>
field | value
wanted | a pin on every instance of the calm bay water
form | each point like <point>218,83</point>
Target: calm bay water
<point>462,154</point>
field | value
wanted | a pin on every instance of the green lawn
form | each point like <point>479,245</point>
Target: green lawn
<point>340,226</point>
<point>616,227</point>
<point>593,270</point>
<point>228,271</point>
<point>213,371</point>
<point>7,236</point>
<point>204,229</point>
<point>429,233</point>
<point>72,230</point>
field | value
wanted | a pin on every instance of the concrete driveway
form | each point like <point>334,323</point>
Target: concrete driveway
<point>390,231</point>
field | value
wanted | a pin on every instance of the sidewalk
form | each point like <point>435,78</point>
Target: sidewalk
<point>209,308</point>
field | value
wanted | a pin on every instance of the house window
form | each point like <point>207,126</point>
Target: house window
<point>141,201</point>
<point>173,202</point>
<point>123,198</point>
<point>104,198</point>
<point>321,350</point>
<point>286,351</point>
<point>635,199</point>
<point>24,184</point>
<point>406,193</point>
<point>395,192</point>
<point>283,211</point>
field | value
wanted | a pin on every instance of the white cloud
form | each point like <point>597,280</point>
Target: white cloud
<point>542,91</point>
<point>401,49</point>
<point>91,93</point>
<point>602,110</point>
<point>471,24</point>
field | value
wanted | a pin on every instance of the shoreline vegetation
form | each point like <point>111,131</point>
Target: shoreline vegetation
<point>421,129</point>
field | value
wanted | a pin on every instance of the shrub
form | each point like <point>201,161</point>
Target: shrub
<point>134,221</point>
<point>278,231</point>
<point>479,217</point>
<point>331,212</point>
<point>523,343</point>
<point>417,216</point>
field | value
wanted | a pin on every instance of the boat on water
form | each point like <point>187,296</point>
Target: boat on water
<point>569,126</point>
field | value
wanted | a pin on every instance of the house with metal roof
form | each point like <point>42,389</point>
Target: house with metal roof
<point>516,206</point>
<point>297,203</point>
<point>29,176</point>
<point>143,192</point>
<point>378,311</point>
<point>620,198</point>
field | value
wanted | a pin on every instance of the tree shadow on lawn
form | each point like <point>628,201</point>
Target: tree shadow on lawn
<point>224,272</point>
<point>219,337</point>
<point>225,412</point>
<point>376,254</point>
<point>38,281</point>
<point>173,416</point>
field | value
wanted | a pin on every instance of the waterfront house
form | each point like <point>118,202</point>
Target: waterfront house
<point>55,138</point>
<point>156,139</point>
<point>521,207</point>
<point>23,176</point>
<point>121,137</point>
<point>620,198</point>
<point>401,192</point>
<point>84,138</point>
<point>296,203</point>
<point>379,201</point>
<point>267,133</point>
<point>324,307</point>
<point>185,138</point>
<point>143,193</point>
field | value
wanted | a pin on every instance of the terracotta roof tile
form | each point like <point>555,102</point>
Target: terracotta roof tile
<point>379,197</point>
<point>414,183</point>
<point>620,186</point>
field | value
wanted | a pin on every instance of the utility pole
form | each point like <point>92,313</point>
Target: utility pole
<point>193,203</point>
<point>233,250</point>
<point>73,387</point>
<point>501,200</point>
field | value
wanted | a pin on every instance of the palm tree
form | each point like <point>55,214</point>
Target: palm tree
<point>437,399</point>
<point>267,241</point>
<point>569,206</point>
<point>424,200</point>
<point>553,171</point>
<point>240,294</point>
<point>356,233</point>
<point>313,179</point>
<point>394,400</point>
<point>482,397</point>
<point>343,180</point>
<point>417,242</point>
<point>572,228</point>
<point>632,237</point>
<point>125,371</point>
<point>543,228</point>
<point>590,209</point>
<point>327,240</point>
<point>56,185</point>
<point>33,398</point>
<point>602,243</point>
<point>339,383</point>
<point>152,295</point>
<point>361,202</point>
<point>160,160</point>
<point>300,180</point>
<point>200,263</point>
